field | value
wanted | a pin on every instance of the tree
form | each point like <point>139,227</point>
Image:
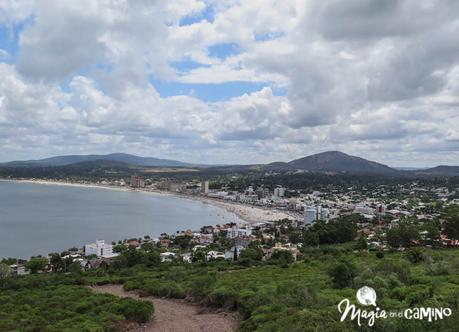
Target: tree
<point>379,254</point>
<point>199,256</point>
<point>362,243</point>
<point>133,256</point>
<point>148,246</point>
<point>9,261</point>
<point>402,235</point>
<point>5,271</point>
<point>433,232</point>
<point>183,241</point>
<point>74,267</point>
<point>119,248</point>
<point>152,258</point>
<point>311,239</point>
<point>36,264</point>
<point>451,225</point>
<point>282,256</point>
<point>252,253</point>
<point>414,255</point>
<point>235,254</point>
<point>393,238</point>
<point>342,274</point>
<point>56,262</point>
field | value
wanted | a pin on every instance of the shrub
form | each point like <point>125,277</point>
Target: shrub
<point>282,257</point>
<point>342,274</point>
<point>138,311</point>
<point>414,255</point>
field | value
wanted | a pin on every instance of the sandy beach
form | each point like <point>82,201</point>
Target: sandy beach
<point>247,213</point>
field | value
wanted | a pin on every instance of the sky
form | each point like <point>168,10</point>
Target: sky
<point>220,81</point>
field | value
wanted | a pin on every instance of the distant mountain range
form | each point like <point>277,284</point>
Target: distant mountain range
<point>330,161</point>
<point>120,157</point>
<point>443,169</point>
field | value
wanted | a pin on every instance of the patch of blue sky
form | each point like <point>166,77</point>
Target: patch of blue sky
<point>8,43</point>
<point>186,65</point>
<point>9,38</point>
<point>207,14</point>
<point>279,91</point>
<point>223,50</point>
<point>207,92</point>
<point>269,36</point>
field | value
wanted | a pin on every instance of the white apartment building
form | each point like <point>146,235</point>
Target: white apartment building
<point>205,187</point>
<point>279,192</point>
<point>235,232</point>
<point>313,213</point>
<point>310,215</point>
<point>100,249</point>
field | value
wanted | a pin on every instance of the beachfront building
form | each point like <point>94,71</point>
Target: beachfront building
<point>279,192</point>
<point>310,215</point>
<point>314,213</point>
<point>205,187</point>
<point>235,231</point>
<point>100,249</point>
<point>137,182</point>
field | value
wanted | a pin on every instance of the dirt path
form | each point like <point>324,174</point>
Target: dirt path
<point>177,315</point>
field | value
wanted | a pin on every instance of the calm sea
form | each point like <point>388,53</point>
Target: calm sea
<point>39,219</point>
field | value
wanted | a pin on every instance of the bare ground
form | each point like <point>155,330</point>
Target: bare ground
<point>177,315</point>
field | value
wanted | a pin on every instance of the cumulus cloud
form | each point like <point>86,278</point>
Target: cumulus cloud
<point>358,76</point>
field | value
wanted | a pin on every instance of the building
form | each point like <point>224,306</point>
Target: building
<point>381,209</point>
<point>262,192</point>
<point>137,182</point>
<point>167,256</point>
<point>279,192</point>
<point>324,214</point>
<point>235,232</point>
<point>18,270</point>
<point>314,213</point>
<point>213,255</point>
<point>205,187</point>
<point>100,249</point>
<point>234,252</point>
<point>310,215</point>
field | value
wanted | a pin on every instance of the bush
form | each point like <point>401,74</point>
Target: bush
<point>138,311</point>
<point>253,254</point>
<point>414,255</point>
<point>282,257</point>
<point>342,274</point>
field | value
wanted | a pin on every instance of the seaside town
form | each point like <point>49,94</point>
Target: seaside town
<point>229,166</point>
<point>277,221</point>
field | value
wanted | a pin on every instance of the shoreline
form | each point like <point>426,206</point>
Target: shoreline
<point>247,213</point>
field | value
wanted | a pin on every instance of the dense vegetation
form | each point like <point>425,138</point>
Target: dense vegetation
<point>276,295</point>
<point>53,303</point>
<point>303,296</point>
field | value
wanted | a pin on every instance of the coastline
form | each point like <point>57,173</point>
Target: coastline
<point>247,213</point>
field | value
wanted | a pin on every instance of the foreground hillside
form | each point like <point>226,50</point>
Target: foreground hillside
<point>277,295</point>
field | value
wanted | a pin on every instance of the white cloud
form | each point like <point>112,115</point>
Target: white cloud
<point>358,76</point>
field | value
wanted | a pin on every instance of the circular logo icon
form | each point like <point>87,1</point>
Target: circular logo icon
<point>366,296</point>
